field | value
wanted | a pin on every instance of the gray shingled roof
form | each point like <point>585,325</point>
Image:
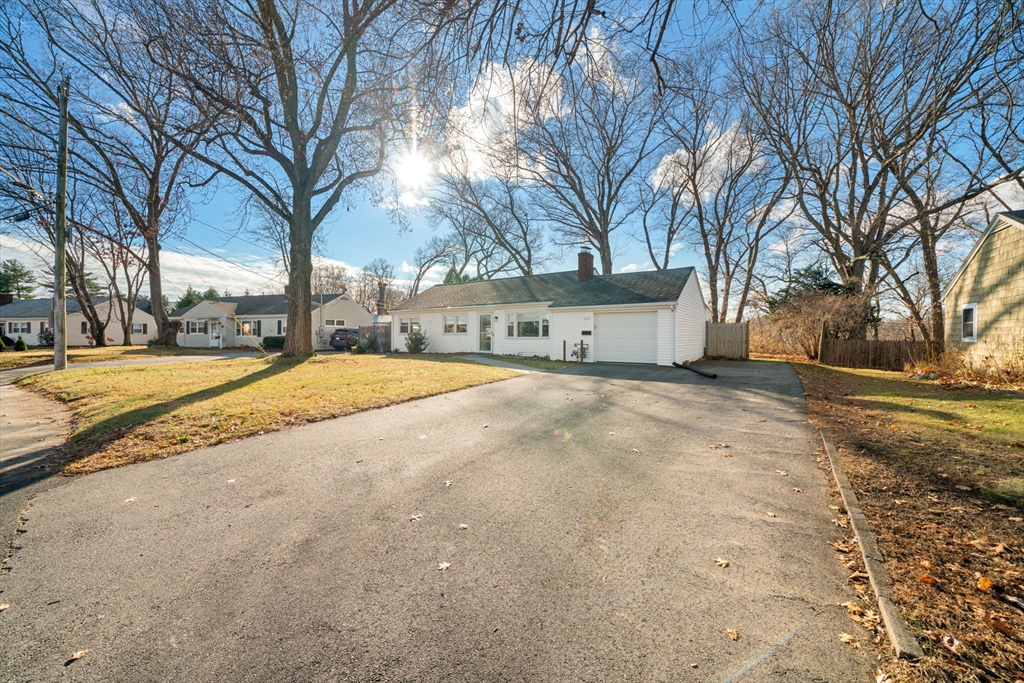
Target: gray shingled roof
<point>35,308</point>
<point>561,289</point>
<point>264,304</point>
<point>1015,215</point>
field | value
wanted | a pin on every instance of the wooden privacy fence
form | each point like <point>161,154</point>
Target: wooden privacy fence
<point>728,340</point>
<point>868,353</point>
<point>382,332</point>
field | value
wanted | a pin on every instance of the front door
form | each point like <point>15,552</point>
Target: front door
<point>216,334</point>
<point>485,332</point>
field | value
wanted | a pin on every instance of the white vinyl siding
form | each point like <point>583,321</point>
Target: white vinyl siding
<point>666,337</point>
<point>691,321</point>
<point>627,337</point>
<point>568,329</point>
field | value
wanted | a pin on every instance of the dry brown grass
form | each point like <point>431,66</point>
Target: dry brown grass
<point>953,367</point>
<point>130,414</point>
<point>19,359</point>
<point>930,465</point>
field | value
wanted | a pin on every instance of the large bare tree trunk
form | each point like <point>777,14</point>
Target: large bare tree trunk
<point>299,340</point>
<point>166,331</point>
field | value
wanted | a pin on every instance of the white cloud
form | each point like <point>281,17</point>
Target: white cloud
<point>722,153</point>
<point>633,267</point>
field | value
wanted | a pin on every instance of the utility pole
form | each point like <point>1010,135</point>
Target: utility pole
<point>60,319</point>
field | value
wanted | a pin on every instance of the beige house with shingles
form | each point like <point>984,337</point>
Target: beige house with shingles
<point>984,302</point>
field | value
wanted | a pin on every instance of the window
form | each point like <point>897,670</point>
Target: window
<point>140,328</point>
<point>456,324</point>
<point>252,328</point>
<point>282,325</point>
<point>19,328</point>
<point>85,327</point>
<point>969,323</point>
<point>407,325</point>
<point>329,322</point>
<point>197,327</point>
<point>529,325</point>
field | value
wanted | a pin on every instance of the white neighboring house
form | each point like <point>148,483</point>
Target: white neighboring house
<point>231,321</point>
<point>28,317</point>
<point>657,317</point>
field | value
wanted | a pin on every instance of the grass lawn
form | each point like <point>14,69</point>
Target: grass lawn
<point>940,475</point>
<point>18,359</point>
<point>135,413</point>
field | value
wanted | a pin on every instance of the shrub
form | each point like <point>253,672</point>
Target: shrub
<point>45,337</point>
<point>416,341</point>
<point>371,344</point>
<point>273,342</point>
<point>358,349</point>
<point>6,340</point>
<point>20,345</point>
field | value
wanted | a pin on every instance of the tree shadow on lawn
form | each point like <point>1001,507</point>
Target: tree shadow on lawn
<point>99,436</point>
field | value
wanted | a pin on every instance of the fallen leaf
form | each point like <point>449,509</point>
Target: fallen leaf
<point>997,622</point>
<point>611,433</point>
<point>843,546</point>
<point>852,607</point>
<point>726,455</point>
<point>951,644</point>
<point>441,566</point>
<point>999,549</point>
<point>926,564</point>
<point>857,577</point>
<point>75,657</point>
<point>849,640</point>
<point>129,500</point>
<point>414,518</point>
<point>693,665</point>
<point>4,606</point>
<point>771,514</point>
<point>782,473</point>
<point>463,527</point>
<point>448,482</point>
<point>720,445</point>
<point>926,579</point>
<point>984,583</point>
<point>230,481</point>
<point>733,633</point>
<point>721,563</point>
<point>841,523</point>
<point>636,450</point>
<point>798,490</point>
<point>1016,519</point>
<point>881,677</point>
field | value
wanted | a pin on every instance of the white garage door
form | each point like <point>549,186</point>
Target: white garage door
<point>627,337</point>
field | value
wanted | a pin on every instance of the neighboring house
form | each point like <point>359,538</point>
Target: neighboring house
<point>231,321</point>
<point>29,317</point>
<point>984,302</point>
<point>652,317</point>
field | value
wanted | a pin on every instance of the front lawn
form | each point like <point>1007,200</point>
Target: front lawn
<point>19,359</point>
<point>940,475</point>
<point>134,413</point>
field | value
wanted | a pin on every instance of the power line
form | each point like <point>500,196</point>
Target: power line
<point>228,261</point>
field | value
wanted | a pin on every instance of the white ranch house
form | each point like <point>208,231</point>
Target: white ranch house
<point>232,321</point>
<point>28,317</point>
<point>656,317</point>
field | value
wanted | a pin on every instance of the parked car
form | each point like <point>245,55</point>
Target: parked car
<point>343,339</point>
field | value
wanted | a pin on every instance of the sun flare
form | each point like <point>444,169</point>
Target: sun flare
<point>413,170</point>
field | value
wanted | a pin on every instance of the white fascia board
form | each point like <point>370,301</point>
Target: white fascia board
<point>406,312</point>
<point>623,307</point>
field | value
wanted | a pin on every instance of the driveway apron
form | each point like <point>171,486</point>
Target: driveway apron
<point>553,527</point>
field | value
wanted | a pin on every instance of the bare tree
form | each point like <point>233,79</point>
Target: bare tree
<point>719,189</point>
<point>307,97</point>
<point>120,250</point>
<point>436,251</point>
<point>329,278</point>
<point>585,159</point>
<point>130,117</point>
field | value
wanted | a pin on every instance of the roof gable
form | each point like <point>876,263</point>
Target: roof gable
<point>561,290</point>
<point>1001,221</point>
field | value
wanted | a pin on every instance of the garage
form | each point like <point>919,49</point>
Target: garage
<point>626,337</point>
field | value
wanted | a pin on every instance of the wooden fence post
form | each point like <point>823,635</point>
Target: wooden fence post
<point>823,343</point>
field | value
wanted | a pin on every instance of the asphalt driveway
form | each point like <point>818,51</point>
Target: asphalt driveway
<point>594,511</point>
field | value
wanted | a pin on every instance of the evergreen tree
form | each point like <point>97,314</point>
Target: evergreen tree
<point>190,297</point>
<point>16,279</point>
<point>452,277</point>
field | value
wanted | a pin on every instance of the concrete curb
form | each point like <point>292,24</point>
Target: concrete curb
<point>899,635</point>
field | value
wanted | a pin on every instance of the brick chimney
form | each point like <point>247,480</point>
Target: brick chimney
<point>586,268</point>
<point>6,298</point>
